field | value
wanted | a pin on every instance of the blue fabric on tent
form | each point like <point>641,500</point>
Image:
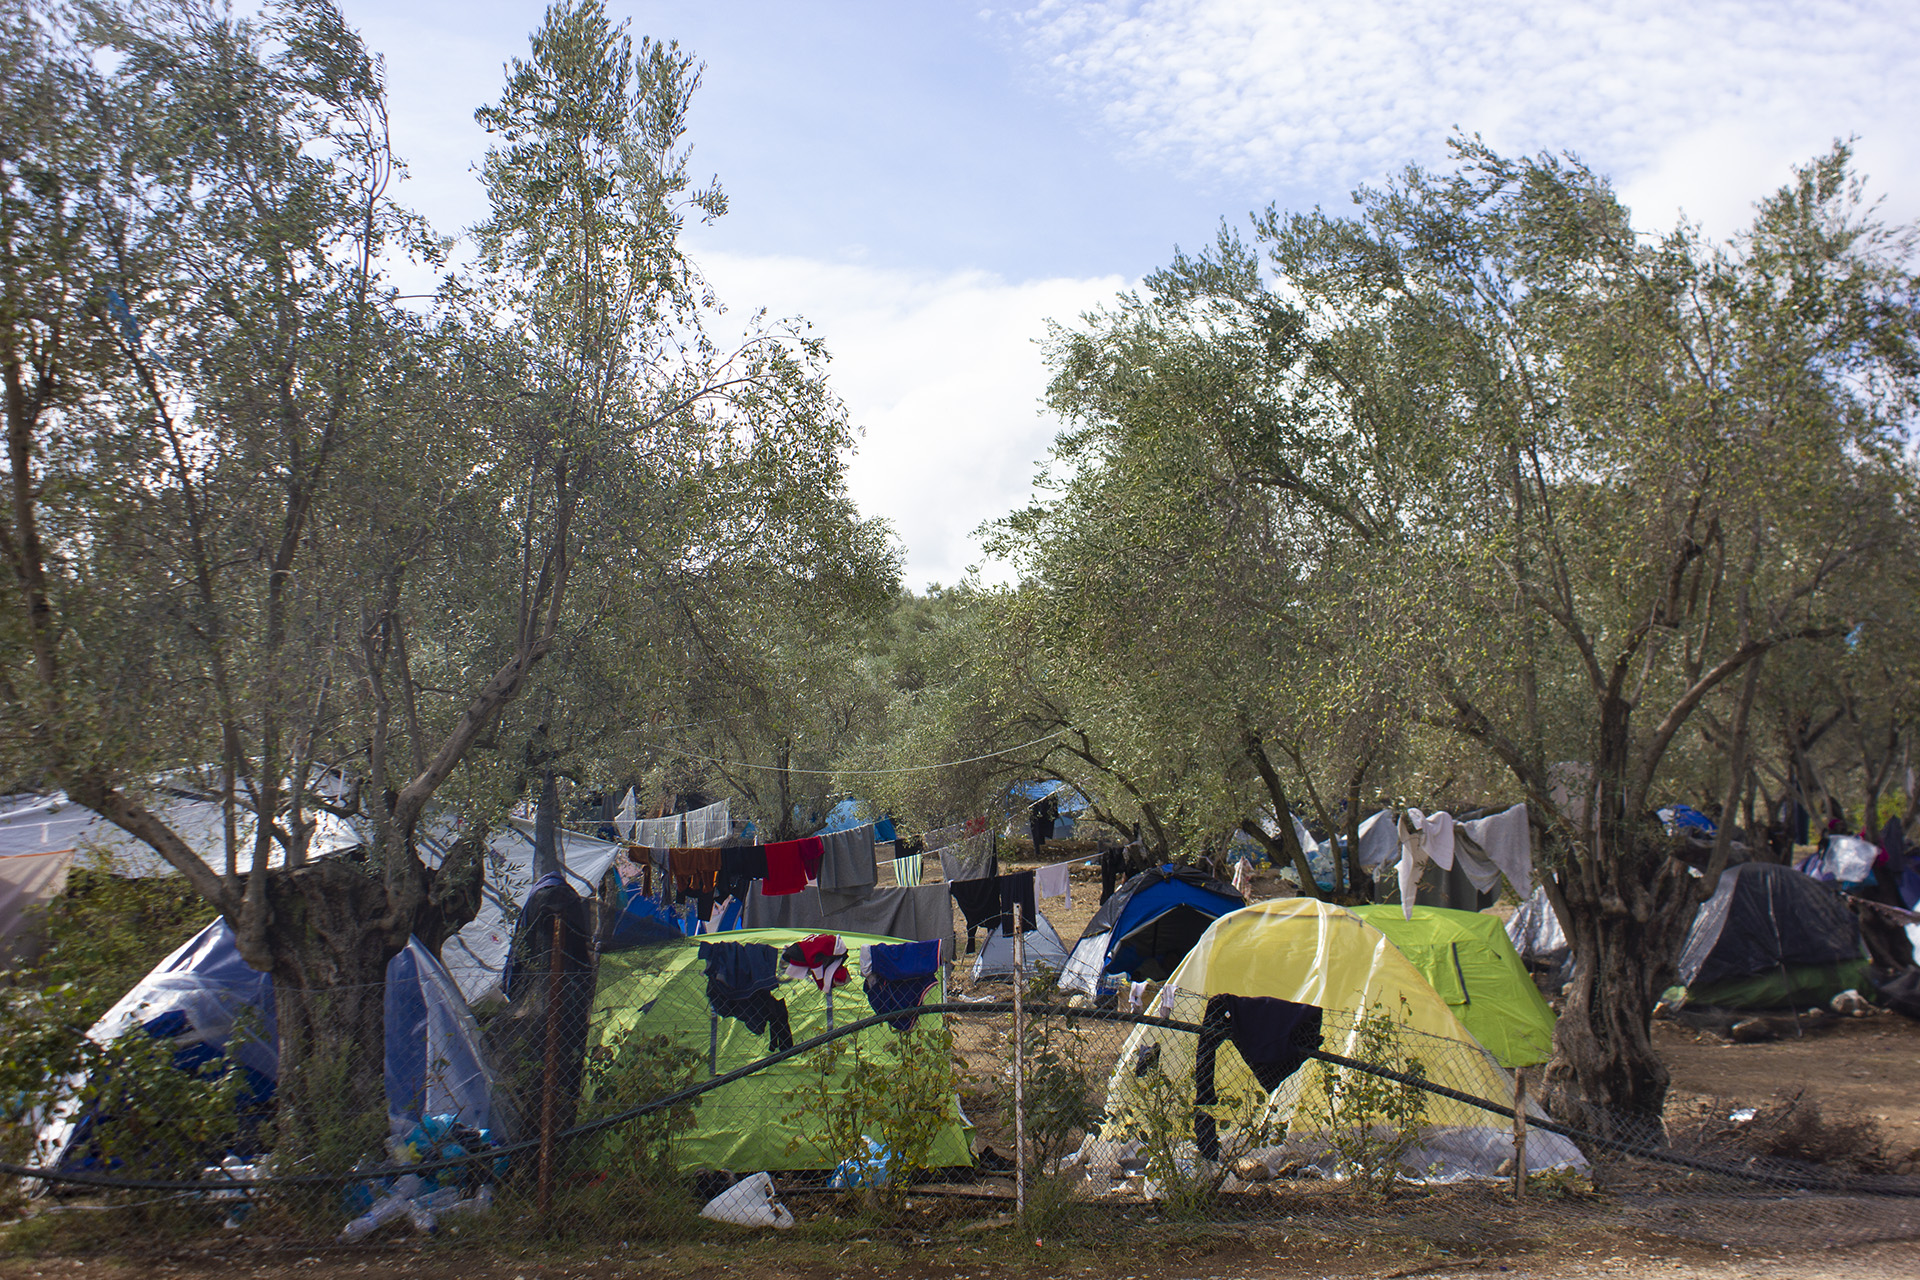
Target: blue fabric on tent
<point>641,922</point>
<point>842,817</point>
<point>433,1054</point>
<point>1681,815</point>
<point>883,831</point>
<point>1148,905</point>
<point>1069,800</point>
<point>434,1062</point>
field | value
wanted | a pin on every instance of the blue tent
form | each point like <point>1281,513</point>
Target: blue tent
<point>1147,927</point>
<point>1021,797</point>
<point>194,997</point>
<point>846,815</point>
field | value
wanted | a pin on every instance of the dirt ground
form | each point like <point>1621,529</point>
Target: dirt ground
<point>1294,1257</point>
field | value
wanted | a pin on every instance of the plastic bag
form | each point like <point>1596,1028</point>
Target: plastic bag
<point>749,1202</point>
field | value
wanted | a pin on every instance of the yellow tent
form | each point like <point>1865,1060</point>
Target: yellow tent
<point>1375,1007</point>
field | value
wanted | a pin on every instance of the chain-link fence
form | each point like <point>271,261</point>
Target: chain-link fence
<point>811,1082</point>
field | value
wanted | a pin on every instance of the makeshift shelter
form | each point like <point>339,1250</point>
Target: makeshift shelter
<point>1771,938</point>
<point>1536,935</point>
<point>53,823</point>
<point>477,955</point>
<point>194,997</point>
<point>1147,927</point>
<point>1022,796</point>
<point>670,1015</point>
<point>1467,958</point>
<point>1361,998</point>
<point>1041,950</point>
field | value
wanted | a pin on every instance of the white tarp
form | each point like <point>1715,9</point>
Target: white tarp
<point>477,955</point>
<point>53,824</point>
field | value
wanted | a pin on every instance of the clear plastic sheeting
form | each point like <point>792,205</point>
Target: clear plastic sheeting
<point>1535,932</point>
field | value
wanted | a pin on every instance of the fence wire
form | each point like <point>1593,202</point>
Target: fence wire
<point>661,1090</point>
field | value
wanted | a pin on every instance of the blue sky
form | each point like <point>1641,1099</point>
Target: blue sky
<point>929,182</point>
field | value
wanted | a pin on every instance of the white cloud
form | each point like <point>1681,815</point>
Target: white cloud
<point>1703,105</point>
<point>944,374</point>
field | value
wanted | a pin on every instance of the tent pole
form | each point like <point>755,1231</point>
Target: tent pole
<point>548,1102</point>
<point>1019,1069</point>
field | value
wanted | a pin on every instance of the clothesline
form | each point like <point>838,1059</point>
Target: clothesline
<point>863,773</point>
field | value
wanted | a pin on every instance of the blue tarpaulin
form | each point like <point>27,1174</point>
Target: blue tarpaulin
<point>434,1061</point>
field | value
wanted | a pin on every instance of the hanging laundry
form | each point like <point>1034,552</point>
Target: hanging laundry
<point>1113,867</point>
<point>787,865</point>
<point>917,914</point>
<point>821,959</point>
<point>1273,1037</point>
<point>898,976</point>
<point>972,859</point>
<point>846,863</point>
<point>740,982</point>
<point>1054,882</point>
<point>1413,852</point>
<point>1507,839</point>
<point>1136,993</point>
<point>1242,876</point>
<point>1016,890</point>
<point>696,873</point>
<point>906,870</point>
<point>628,816</point>
<point>979,903</point>
<point>740,866</point>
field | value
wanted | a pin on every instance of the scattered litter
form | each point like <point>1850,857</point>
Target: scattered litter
<point>749,1202</point>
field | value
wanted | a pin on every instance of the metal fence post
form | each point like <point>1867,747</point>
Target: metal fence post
<point>1019,1068</point>
<point>1519,1133</point>
<point>549,1103</point>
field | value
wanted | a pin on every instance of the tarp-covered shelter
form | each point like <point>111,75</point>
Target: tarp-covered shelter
<point>1771,938</point>
<point>670,1015</point>
<point>1359,989</point>
<point>1147,927</point>
<point>194,997</point>
<point>1536,935</point>
<point>477,955</point>
<point>1467,957</point>
<point>52,823</point>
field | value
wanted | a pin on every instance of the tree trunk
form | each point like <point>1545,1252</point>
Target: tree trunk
<point>330,956</point>
<point>1626,916</point>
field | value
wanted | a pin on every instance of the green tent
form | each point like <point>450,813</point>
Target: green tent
<point>1467,957</point>
<point>654,1031</point>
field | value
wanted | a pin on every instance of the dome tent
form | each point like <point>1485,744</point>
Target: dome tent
<point>1041,948</point>
<point>1311,953</point>
<point>657,1004</point>
<point>1467,958</point>
<point>1771,937</point>
<point>1147,927</point>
